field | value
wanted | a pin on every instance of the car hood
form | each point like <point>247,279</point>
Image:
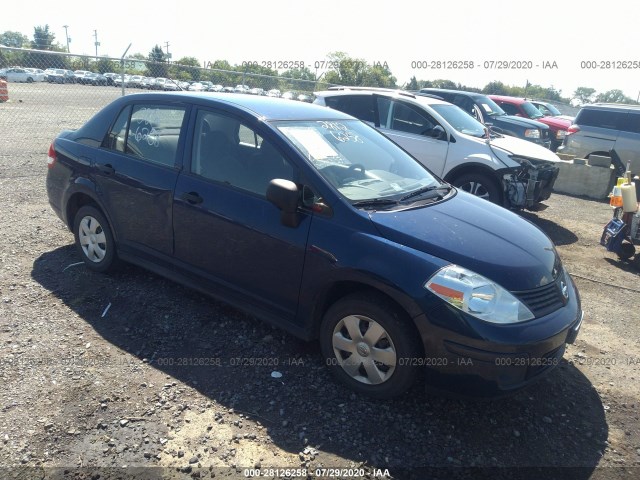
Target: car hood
<point>477,235</point>
<point>513,120</point>
<point>556,122</point>
<point>524,148</point>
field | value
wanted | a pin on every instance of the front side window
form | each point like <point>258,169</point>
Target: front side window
<point>359,162</point>
<point>600,118</point>
<point>227,151</point>
<point>408,119</point>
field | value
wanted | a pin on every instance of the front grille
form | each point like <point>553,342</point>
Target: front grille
<point>543,300</point>
<point>546,134</point>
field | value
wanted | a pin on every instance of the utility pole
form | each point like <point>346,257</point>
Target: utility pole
<point>66,34</point>
<point>166,44</point>
<point>96,43</point>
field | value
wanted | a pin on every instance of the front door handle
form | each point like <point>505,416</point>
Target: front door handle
<point>106,169</point>
<point>192,197</point>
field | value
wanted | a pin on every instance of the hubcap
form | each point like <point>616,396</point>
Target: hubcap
<point>364,349</point>
<point>92,239</point>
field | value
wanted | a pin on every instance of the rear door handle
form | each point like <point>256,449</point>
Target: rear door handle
<point>192,197</point>
<point>107,169</point>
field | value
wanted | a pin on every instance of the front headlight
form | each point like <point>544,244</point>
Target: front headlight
<point>532,133</point>
<point>476,295</point>
<point>560,134</point>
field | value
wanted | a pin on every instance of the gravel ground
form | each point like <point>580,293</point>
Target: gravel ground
<point>130,375</point>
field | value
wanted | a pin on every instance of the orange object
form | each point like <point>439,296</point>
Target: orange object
<point>615,199</point>
<point>4,91</point>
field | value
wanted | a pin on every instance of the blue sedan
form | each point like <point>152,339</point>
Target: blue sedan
<point>310,219</point>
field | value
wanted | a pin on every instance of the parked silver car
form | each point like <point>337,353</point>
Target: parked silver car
<point>602,127</point>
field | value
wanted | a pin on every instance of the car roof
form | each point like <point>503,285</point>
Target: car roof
<point>446,90</point>
<point>612,106</point>
<point>405,95</point>
<point>506,98</point>
<point>268,108</point>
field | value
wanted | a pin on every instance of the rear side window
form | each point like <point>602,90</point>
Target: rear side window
<point>510,109</point>
<point>148,132</point>
<point>600,118</point>
<point>359,106</point>
<point>631,123</point>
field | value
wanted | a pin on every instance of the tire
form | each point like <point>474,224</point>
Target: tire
<point>379,364</point>
<point>479,185</point>
<point>94,240</point>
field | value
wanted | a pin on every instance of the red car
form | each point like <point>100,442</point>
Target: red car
<point>523,108</point>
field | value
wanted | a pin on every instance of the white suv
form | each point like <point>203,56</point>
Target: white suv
<point>452,144</point>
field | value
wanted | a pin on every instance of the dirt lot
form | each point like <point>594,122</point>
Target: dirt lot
<point>107,376</point>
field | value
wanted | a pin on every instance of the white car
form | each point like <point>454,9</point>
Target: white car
<point>38,74</point>
<point>505,170</point>
<point>17,74</point>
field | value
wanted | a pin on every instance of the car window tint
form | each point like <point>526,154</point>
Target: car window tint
<point>510,109</point>
<point>154,131</point>
<point>227,151</point>
<point>631,123</point>
<point>116,137</point>
<point>600,118</point>
<point>359,106</point>
<point>408,119</point>
<point>384,105</point>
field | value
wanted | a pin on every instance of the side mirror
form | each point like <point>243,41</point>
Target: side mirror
<point>284,194</point>
<point>438,133</point>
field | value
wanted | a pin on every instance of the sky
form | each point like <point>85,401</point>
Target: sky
<point>580,45</point>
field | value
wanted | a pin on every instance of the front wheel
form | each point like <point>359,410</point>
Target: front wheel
<point>479,185</point>
<point>370,346</point>
<point>94,240</point>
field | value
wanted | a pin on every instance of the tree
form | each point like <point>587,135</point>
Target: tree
<point>613,96</point>
<point>157,62</point>
<point>13,39</point>
<point>42,38</point>
<point>584,94</point>
<point>345,70</point>
<point>495,88</point>
<point>412,85</point>
<point>186,69</point>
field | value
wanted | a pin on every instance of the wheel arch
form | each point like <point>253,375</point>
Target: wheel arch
<point>79,199</point>
<point>343,288</point>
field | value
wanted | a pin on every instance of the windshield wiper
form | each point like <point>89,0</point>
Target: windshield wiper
<point>375,202</point>
<point>430,188</point>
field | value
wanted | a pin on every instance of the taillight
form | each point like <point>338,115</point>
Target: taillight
<point>573,129</point>
<point>51,159</point>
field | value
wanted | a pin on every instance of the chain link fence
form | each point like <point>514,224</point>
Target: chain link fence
<point>52,91</point>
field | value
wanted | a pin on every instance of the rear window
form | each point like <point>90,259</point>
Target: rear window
<point>600,118</point>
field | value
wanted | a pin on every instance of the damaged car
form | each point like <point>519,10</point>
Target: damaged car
<point>505,170</point>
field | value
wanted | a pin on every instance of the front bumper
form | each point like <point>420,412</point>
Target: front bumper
<point>492,363</point>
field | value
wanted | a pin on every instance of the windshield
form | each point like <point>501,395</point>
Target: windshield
<point>531,111</point>
<point>490,107</point>
<point>460,120</point>
<point>361,163</point>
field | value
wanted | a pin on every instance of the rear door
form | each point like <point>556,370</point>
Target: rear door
<point>136,173</point>
<point>224,227</point>
<point>628,142</point>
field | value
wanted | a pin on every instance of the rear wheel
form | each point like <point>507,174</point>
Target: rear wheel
<point>94,240</point>
<point>370,346</point>
<point>480,185</point>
